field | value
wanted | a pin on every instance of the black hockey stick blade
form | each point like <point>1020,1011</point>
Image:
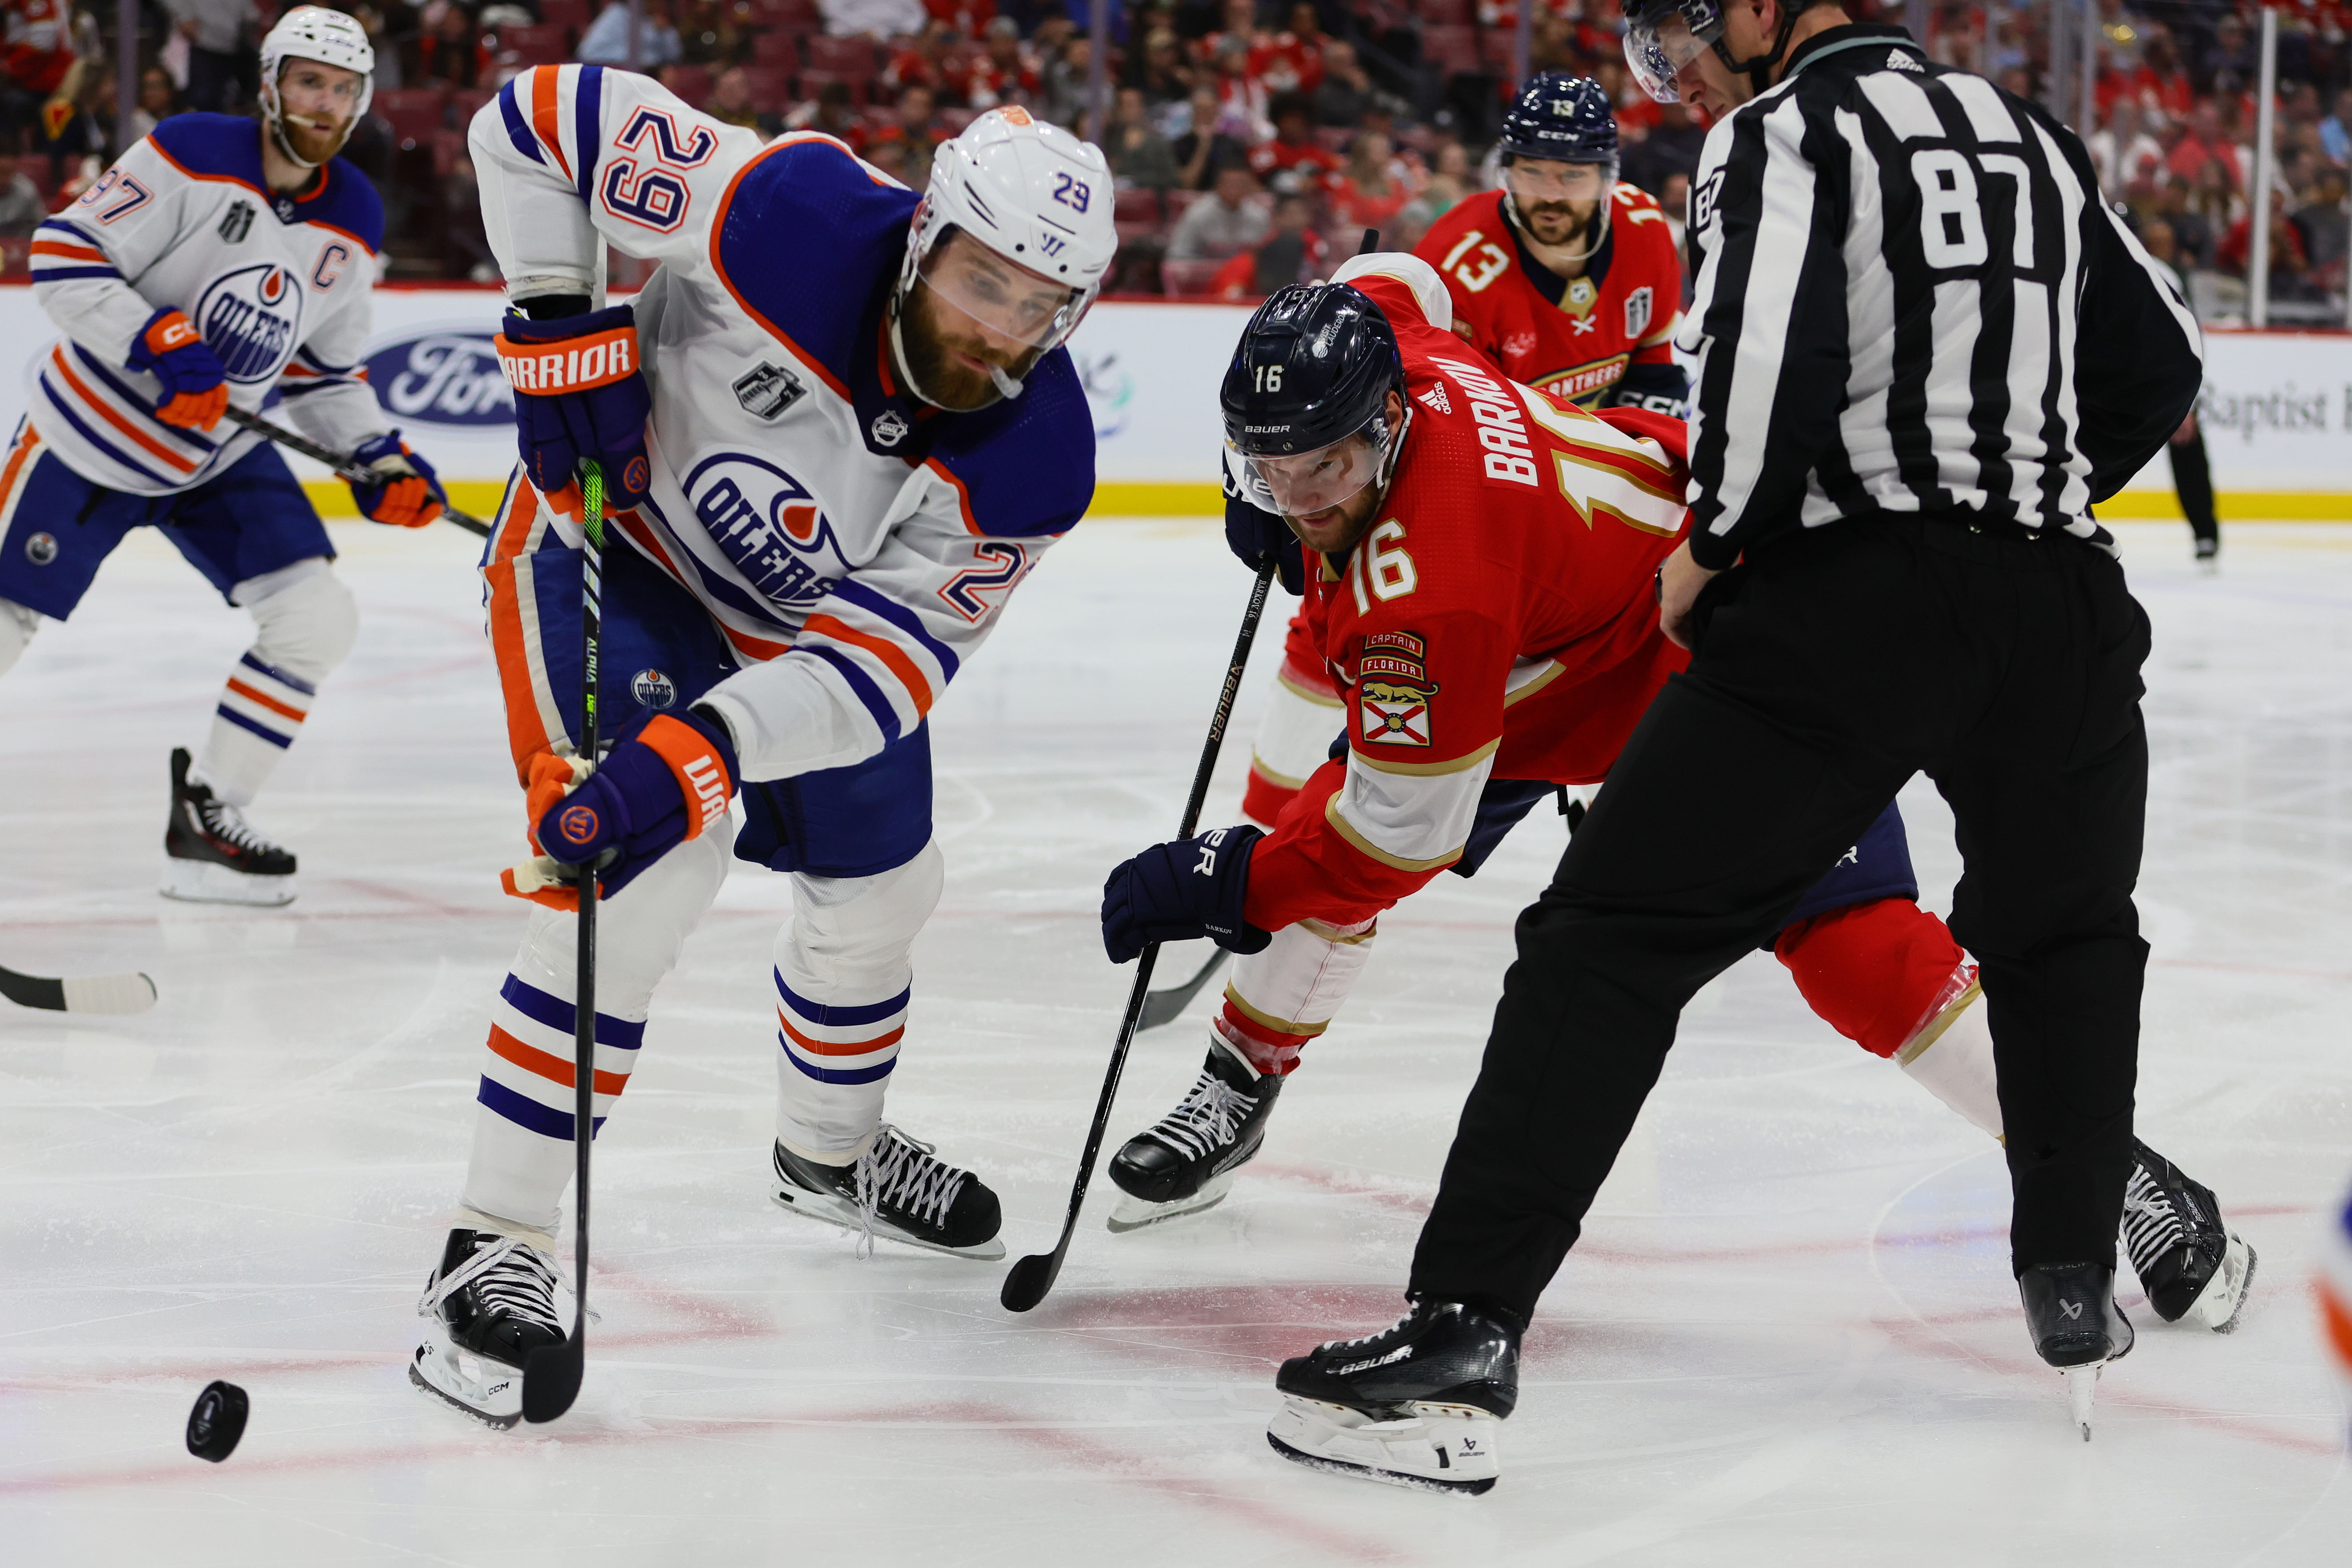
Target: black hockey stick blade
<point>1027,1281</point>
<point>124,993</point>
<point>1372,243</point>
<point>550,1379</point>
<point>349,472</point>
<point>1165,1007</point>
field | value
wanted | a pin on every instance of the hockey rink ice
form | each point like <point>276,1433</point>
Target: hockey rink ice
<point>1789,1336</point>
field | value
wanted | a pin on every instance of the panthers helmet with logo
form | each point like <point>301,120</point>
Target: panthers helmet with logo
<point>314,33</point>
<point>1560,117</point>
<point>1032,193</point>
<point>1315,367</point>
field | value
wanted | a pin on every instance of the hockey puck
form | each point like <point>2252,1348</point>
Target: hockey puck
<point>218,1421</point>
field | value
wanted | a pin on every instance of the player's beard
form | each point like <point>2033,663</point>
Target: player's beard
<point>1574,231</point>
<point>312,146</point>
<point>939,349</point>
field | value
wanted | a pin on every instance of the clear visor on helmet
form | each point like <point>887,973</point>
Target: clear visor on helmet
<point>1001,297</point>
<point>1299,485</point>
<point>1661,42</point>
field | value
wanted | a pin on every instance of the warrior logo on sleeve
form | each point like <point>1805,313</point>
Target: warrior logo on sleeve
<point>1393,689</point>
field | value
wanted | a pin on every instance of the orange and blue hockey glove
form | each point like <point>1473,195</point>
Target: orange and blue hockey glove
<point>579,393</point>
<point>667,781</point>
<point>409,494</point>
<point>196,387</point>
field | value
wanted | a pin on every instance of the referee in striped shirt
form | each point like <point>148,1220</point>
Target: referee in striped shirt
<point>1924,348</point>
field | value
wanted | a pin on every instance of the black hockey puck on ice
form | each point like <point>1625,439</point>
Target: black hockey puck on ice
<point>218,1421</point>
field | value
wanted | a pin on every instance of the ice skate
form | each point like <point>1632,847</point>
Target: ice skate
<point>898,1190</point>
<point>212,855</point>
<point>489,1304</point>
<point>2070,1309</point>
<point>2194,1268</point>
<point>1415,1406</point>
<point>1185,1162</point>
<point>2209,558</point>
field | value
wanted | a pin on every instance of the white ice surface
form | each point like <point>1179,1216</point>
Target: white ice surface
<point>1790,1338</point>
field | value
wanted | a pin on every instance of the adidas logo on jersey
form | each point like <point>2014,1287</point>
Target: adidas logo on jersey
<point>1436,400</point>
<point>1897,60</point>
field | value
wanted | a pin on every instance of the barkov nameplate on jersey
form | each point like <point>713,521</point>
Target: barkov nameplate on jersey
<point>765,391</point>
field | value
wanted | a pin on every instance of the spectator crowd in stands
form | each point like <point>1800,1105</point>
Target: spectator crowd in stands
<point>1252,140</point>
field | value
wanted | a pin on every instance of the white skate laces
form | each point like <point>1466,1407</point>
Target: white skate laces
<point>1210,1118</point>
<point>2152,1226</point>
<point>515,1275</point>
<point>901,1170</point>
<point>219,820</point>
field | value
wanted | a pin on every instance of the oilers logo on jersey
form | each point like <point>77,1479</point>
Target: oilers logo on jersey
<point>252,318</point>
<point>769,524</point>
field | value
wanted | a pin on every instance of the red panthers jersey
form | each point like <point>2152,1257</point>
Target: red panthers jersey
<point>1497,619</point>
<point>1569,336</point>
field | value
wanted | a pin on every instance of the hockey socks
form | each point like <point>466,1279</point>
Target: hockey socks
<point>306,622</point>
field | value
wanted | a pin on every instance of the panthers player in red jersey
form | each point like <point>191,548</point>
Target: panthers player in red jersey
<point>1567,279</point>
<point>1482,558</point>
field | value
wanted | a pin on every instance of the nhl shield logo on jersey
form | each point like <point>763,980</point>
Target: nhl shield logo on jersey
<point>769,524</point>
<point>252,318</point>
<point>1578,297</point>
<point>1393,689</point>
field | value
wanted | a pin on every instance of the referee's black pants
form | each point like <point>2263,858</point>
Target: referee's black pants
<point>1831,667</point>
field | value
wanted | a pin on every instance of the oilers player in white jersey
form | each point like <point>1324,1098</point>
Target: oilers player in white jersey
<point>218,263</point>
<point>838,429</point>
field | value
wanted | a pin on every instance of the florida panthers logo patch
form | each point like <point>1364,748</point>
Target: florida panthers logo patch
<point>1393,689</point>
<point>252,317</point>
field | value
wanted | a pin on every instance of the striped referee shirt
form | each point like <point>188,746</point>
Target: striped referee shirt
<point>1911,300</point>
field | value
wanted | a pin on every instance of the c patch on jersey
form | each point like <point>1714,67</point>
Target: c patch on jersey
<point>769,524</point>
<point>1393,689</point>
<point>252,318</point>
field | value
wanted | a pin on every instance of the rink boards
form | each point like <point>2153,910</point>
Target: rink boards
<point>2277,406</point>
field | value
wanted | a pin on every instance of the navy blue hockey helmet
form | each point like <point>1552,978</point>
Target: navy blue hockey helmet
<point>1313,368</point>
<point>1560,117</point>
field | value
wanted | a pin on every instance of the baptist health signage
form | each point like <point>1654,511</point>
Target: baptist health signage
<point>2277,407</point>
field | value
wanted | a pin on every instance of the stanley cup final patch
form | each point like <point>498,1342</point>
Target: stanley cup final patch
<point>1393,689</point>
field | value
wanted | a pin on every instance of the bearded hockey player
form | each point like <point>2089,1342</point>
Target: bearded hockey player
<point>218,263</point>
<point>1567,280</point>
<point>1483,558</point>
<point>837,428</point>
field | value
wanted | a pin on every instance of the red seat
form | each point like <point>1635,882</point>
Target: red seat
<point>781,50</point>
<point>1445,13</point>
<point>541,45</point>
<point>1500,50</point>
<point>415,113</point>
<point>1137,205</point>
<point>573,14</point>
<point>1130,234</point>
<point>1456,49</point>
<point>1189,279</point>
<point>798,14</point>
<point>842,57</point>
<point>772,89</point>
<point>691,83</point>
<point>813,83</point>
<point>1176,200</point>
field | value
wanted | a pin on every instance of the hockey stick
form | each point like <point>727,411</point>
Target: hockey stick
<point>349,472</point>
<point>1164,1007</point>
<point>124,993</point>
<point>551,1378</point>
<point>1028,1281</point>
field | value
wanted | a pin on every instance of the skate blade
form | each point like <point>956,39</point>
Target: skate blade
<point>1441,1449</point>
<point>207,882</point>
<point>2082,1386</point>
<point>2223,1299</point>
<point>831,1212</point>
<point>438,1368</point>
<point>1134,1213</point>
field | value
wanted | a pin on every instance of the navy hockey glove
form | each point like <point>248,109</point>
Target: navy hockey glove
<point>579,393</point>
<point>1177,892</point>
<point>1251,533</point>
<point>1661,389</point>
<point>408,495</point>
<point>662,784</point>
<point>195,390</point>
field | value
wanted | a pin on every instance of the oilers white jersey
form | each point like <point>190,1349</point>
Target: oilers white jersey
<point>854,545</point>
<point>279,288</point>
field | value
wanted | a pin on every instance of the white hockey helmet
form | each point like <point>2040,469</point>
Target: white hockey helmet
<point>1035,195</point>
<point>314,33</point>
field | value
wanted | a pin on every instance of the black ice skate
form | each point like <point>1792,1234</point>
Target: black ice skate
<point>2070,1309</point>
<point>1185,1162</point>
<point>490,1303</point>
<point>897,1190</point>
<point>212,855</point>
<point>2188,1261</point>
<point>1416,1405</point>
